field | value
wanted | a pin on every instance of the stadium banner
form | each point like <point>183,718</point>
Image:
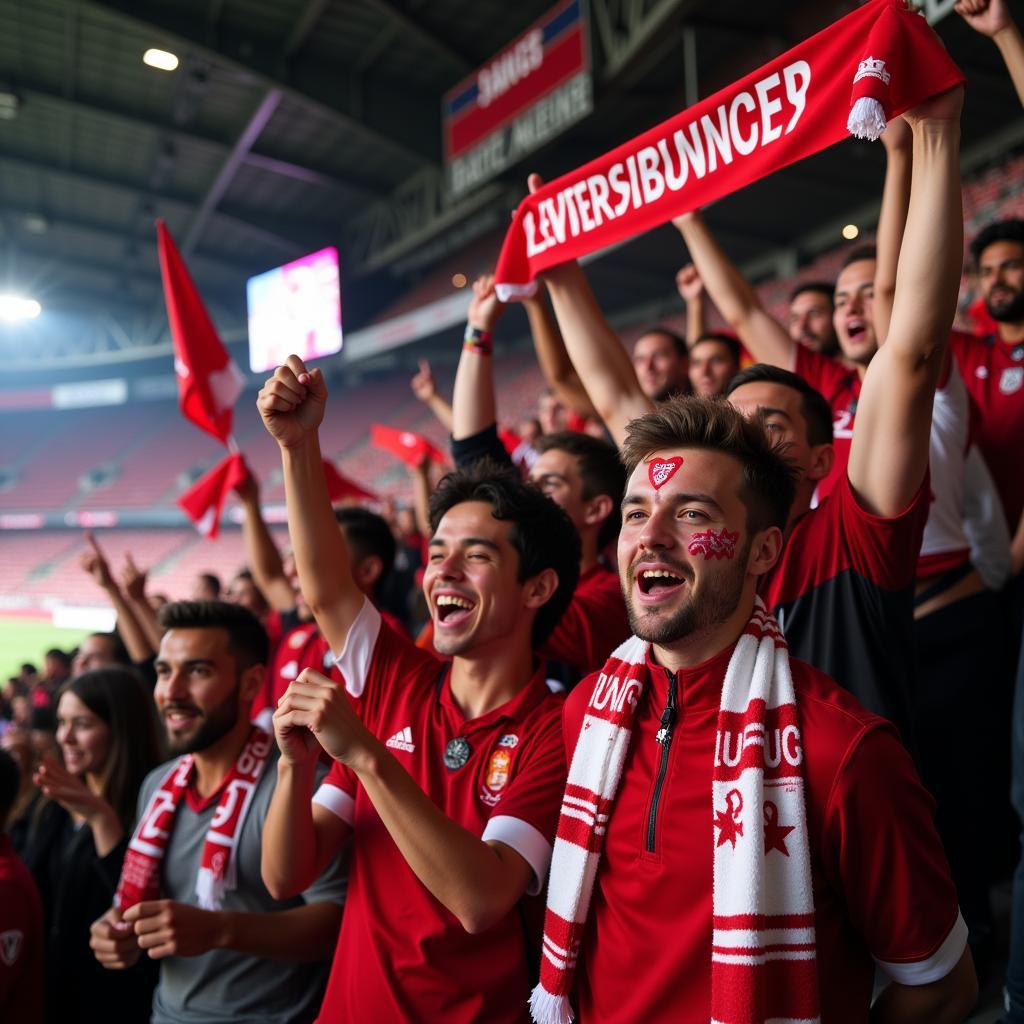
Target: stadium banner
<point>526,95</point>
<point>90,393</point>
<point>850,78</point>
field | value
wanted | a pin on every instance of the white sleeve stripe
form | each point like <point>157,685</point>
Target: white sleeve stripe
<point>337,801</point>
<point>935,967</point>
<point>353,661</point>
<point>530,844</point>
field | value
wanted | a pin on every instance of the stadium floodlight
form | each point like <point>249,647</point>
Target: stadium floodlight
<point>850,232</point>
<point>15,308</point>
<point>162,60</point>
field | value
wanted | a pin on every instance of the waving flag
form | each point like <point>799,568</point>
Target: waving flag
<point>409,447</point>
<point>209,381</point>
<point>340,486</point>
<point>204,501</point>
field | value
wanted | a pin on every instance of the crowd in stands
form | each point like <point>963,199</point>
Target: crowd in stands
<point>686,697</point>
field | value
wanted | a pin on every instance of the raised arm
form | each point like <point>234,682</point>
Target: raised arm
<point>554,361</point>
<point>691,291</point>
<point>133,584</point>
<point>473,403</point>
<point>889,451</point>
<point>95,563</point>
<point>292,406</point>
<point>892,221</point>
<point>764,337</point>
<point>992,18</point>
<point>600,359</point>
<point>421,489</point>
<point>424,387</point>
<point>261,552</point>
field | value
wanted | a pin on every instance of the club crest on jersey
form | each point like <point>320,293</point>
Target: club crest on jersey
<point>1011,380</point>
<point>660,471</point>
<point>509,740</point>
<point>10,946</point>
<point>498,770</point>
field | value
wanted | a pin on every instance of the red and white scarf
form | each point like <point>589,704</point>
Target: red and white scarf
<point>763,964</point>
<point>140,874</point>
<point>850,78</point>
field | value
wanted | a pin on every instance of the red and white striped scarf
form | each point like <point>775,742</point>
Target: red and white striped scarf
<point>140,874</point>
<point>763,964</point>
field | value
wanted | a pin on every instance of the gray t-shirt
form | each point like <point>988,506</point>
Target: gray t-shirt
<point>224,987</point>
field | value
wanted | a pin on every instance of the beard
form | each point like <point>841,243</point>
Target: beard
<point>213,725</point>
<point>707,606</point>
<point>1006,311</point>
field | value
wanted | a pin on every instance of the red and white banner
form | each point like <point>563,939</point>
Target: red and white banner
<point>796,105</point>
<point>209,381</point>
<point>527,94</point>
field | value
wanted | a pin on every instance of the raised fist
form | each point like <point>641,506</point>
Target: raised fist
<point>292,402</point>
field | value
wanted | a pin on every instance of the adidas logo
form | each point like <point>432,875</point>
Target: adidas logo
<point>402,740</point>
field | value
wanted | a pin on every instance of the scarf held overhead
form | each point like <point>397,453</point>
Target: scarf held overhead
<point>140,874</point>
<point>763,948</point>
<point>850,78</point>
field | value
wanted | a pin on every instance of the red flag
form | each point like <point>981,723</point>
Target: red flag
<point>409,447</point>
<point>209,381</point>
<point>204,501</point>
<point>340,486</point>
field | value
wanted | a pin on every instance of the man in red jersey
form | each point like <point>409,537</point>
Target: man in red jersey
<point>993,367</point>
<point>447,776</point>
<point>843,587</point>
<point>706,504</point>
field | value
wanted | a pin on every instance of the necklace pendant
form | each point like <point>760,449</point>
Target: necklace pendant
<point>457,753</point>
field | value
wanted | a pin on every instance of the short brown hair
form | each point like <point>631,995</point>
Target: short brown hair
<point>769,478</point>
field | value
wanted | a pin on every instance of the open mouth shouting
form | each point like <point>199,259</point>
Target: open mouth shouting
<point>452,609</point>
<point>856,328</point>
<point>657,582</point>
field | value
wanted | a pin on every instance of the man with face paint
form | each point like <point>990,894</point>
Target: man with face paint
<point>843,588</point>
<point>706,504</point>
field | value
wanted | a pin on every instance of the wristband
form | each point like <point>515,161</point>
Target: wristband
<point>476,340</point>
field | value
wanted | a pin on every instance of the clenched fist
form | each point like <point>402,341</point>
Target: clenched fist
<point>292,402</point>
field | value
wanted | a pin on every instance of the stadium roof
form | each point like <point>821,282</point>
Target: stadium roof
<point>293,124</point>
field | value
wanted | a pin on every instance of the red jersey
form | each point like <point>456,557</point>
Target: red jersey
<point>301,648</point>
<point>882,891</point>
<point>840,387</point>
<point>593,625</point>
<point>993,372</point>
<point>21,940</point>
<point>401,955</point>
<point>843,592</point>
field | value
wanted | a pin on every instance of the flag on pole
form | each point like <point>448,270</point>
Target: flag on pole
<point>204,501</point>
<point>340,486</point>
<point>209,380</point>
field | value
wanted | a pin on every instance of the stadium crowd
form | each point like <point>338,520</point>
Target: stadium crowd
<point>714,657</point>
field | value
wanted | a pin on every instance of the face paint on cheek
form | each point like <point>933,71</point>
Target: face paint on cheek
<point>714,543</point>
<point>660,471</point>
